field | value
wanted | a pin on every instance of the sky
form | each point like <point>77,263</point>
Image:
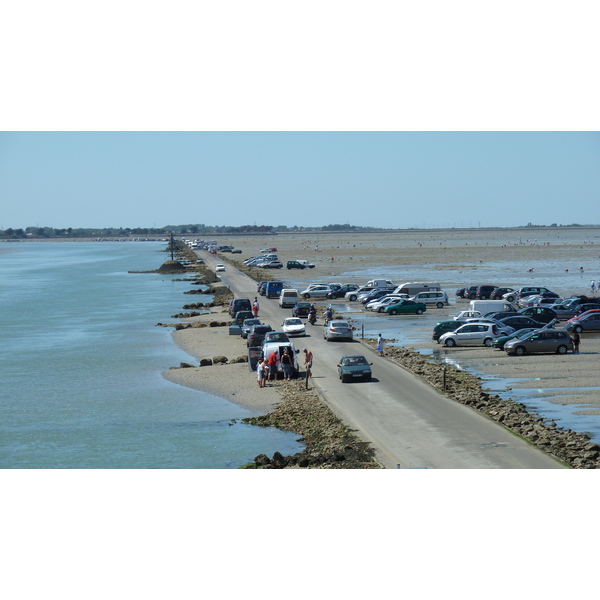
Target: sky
<point>393,115</point>
<point>376,179</point>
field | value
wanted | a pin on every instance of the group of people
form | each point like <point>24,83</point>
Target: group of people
<point>266,368</point>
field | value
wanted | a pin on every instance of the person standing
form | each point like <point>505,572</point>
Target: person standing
<point>286,365</point>
<point>272,363</point>
<point>308,361</point>
<point>255,307</point>
<point>380,345</point>
<point>593,285</point>
<point>260,373</point>
<point>576,342</point>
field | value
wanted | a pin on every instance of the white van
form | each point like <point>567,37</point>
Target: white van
<point>379,283</point>
<point>412,289</point>
<point>486,306</point>
<point>288,298</point>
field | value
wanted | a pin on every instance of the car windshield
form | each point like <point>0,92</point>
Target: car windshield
<point>354,360</point>
<point>277,337</point>
<point>293,322</point>
<point>339,324</point>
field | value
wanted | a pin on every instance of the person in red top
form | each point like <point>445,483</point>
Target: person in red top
<point>255,307</point>
<point>272,362</point>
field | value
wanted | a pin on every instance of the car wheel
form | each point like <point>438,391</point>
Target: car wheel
<point>562,349</point>
<point>450,343</point>
<point>483,297</point>
<point>419,311</point>
<point>519,350</point>
<point>511,299</point>
<point>472,296</point>
<point>393,312</point>
<point>578,329</point>
<point>440,305</point>
<point>352,298</point>
<point>306,296</point>
<point>380,309</point>
<point>488,342</point>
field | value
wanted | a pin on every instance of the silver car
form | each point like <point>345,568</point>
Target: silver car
<point>472,334</point>
<point>586,322</point>
<point>316,290</point>
<point>338,330</point>
<point>545,340</point>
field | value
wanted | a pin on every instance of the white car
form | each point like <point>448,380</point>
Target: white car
<point>293,326</point>
<point>472,334</point>
<point>380,304</point>
<point>316,290</point>
<point>463,315</point>
<point>219,268</point>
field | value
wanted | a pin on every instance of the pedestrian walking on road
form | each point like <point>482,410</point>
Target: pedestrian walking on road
<point>593,285</point>
<point>380,345</point>
<point>255,307</point>
<point>308,361</point>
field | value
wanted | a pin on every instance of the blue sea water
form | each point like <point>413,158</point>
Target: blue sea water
<point>81,362</point>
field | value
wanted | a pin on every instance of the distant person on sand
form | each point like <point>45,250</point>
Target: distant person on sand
<point>593,285</point>
<point>576,342</point>
<point>380,345</point>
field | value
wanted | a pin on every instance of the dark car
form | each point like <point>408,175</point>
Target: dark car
<point>375,294</point>
<point>406,307</point>
<point>587,321</point>
<point>294,264</point>
<point>499,342</point>
<point>546,340</point>
<point>301,309</point>
<point>442,327</point>
<point>485,291</point>
<point>499,292</point>
<point>256,335</point>
<point>524,291</point>
<point>247,325</point>
<point>581,308</point>
<point>237,304</point>
<point>522,322</point>
<point>241,316</point>
<point>341,292</point>
<point>236,251</point>
<point>500,315</point>
<point>355,366</point>
<point>460,292</point>
<point>262,288</point>
<point>542,314</point>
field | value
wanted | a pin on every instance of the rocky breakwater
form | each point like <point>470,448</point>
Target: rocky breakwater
<point>574,449</point>
<point>329,443</point>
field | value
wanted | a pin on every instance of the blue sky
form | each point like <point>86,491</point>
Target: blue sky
<point>379,179</point>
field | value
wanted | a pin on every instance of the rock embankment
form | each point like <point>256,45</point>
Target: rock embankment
<point>329,443</point>
<point>574,449</point>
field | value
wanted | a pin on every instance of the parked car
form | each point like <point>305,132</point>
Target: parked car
<point>219,268</point>
<point>437,298</point>
<point>521,322</point>
<point>499,292</point>
<point>403,307</point>
<point>338,330</point>
<point>272,264</point>
<point>293,326</point>
<point>247,325</point>
<point>581,308</point>
<point>543,314</point>
<point>236,251</point>
<point>502,327</point>
<point>546,340</point>
<point>353,295</point>
<point>275,336</point>
<point>342,291</point>
<point>444,327</point>
<point>588,321</point>
<point>237,304</point>
<point>268,250</point>
<point>484,292</point>
<point>241,316</point>
<point>524,291</point>
<point>380,304</point>
<point>466,314</point>
<point>460,292</point>
<point>501,340</point>
<point>256,335</point>
<point>301,309</point>
<point>563,312</point>
<point>354,366</point>
<point>294,264</point>
<point>316,290</point>
<point>373,295</point>
<point>471,292</point>
<point>471,334</point>
<point>262,288</point>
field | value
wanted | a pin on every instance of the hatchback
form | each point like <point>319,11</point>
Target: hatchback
<point>499,292</point>
<point>542,314</point>
<point>344,289</point>
<point>354,367</point>
<point>293,326</point>
<point>589,321</point>
<point>438,299</point>
<point>471,334</point>
<point>338,330</point>
<point>485,291</point>
<point>547,340</point>
<point>237,304</point>
<point>247,326</point>
<point>499,342</point>
<point>219,268</point>
<point>301,309</point>
<point>316,291</point>
<point>403,307</point>
<point>444,327</point>
<point>256,335</point>
<point>522,322</point>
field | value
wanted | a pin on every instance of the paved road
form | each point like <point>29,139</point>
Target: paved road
<point>410,424</point>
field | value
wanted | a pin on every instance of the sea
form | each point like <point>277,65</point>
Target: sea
<point>81,361</point>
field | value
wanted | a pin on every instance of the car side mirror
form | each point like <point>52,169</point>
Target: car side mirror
<point>371,364</point>
<point>338,365</point>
